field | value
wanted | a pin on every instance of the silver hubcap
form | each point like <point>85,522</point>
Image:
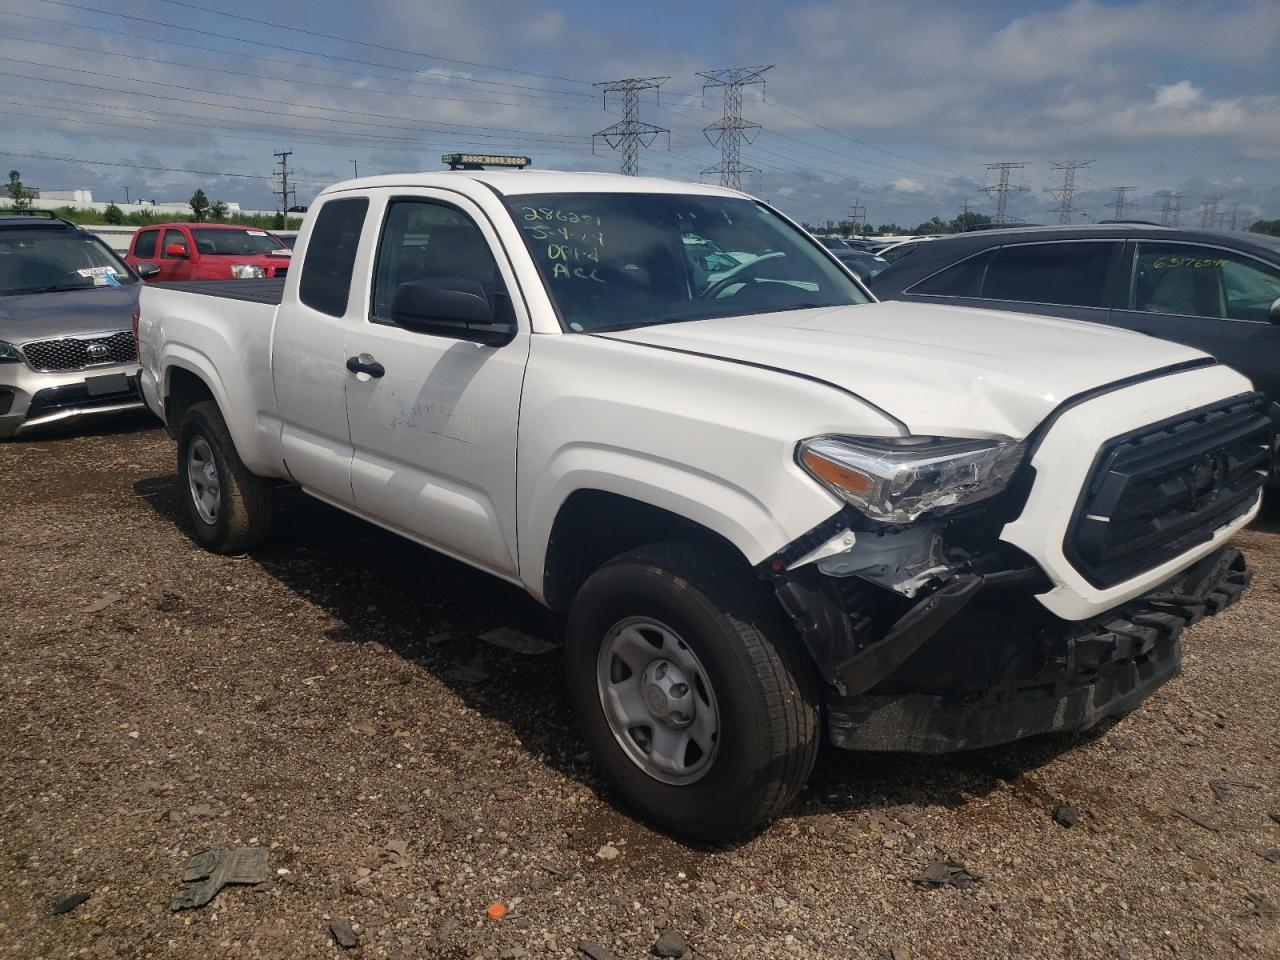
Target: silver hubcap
<point>202,476</point>
<point>658,701</point>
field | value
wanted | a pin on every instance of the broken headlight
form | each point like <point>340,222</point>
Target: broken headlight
<point>896,479</point>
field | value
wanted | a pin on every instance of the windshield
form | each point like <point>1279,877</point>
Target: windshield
<point>236,243</point>
<point>45,261</point>
<point>617,260</point>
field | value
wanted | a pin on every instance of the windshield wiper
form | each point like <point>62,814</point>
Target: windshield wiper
<point>57,288</point>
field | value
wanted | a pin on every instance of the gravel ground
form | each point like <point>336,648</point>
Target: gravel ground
<point>330,699</point>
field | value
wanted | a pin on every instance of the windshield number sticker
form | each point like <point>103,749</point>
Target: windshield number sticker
<point>256,233</point>
<point>101,276</point>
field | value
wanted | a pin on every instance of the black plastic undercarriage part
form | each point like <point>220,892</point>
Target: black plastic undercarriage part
<point>1005,668</point>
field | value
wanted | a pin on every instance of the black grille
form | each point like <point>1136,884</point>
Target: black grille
<point>74,353</point>
<point>1159,491</point>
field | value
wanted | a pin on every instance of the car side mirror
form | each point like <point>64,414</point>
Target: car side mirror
<point>452,307</point>
<point>176,250</point>
<point>1274,313</point>
<point>147,270</point>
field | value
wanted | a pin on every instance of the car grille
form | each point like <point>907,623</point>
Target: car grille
<point>1159,491</point>
<point>75,353</point>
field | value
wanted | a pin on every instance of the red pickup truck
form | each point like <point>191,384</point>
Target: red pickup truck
<point>207,251</point>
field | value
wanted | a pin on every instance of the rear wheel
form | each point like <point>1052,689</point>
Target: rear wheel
<point>692,694</point>
<point>229,507</point>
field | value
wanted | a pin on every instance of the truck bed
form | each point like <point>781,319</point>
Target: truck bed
<point>269,292</point>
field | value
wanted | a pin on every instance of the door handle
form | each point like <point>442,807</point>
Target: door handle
<point>366,364</point>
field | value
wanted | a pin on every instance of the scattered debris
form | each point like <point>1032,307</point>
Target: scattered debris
<point>402,906</point>
<point>366,727</point>
<point>1199,821</point>
<point>344,935</point>
<point>266,886</point>
<point>947,873</point>
<point>1271,856</point>
<point>594,950</point>
<point>470,673</point>
<point>496,911</point>
<point>1065,815</point>
<point>670,943</point>
<point>103,602</point>
<point>1221,788</point>
<point>900,952</point>
<point>518,642</point>
<point>69,902</point>
<point>210,870</point>
<point>1262,907</point>
<point>608,852</point>
<point>394,855</point>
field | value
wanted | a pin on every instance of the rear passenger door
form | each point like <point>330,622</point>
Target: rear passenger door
<point>1208,297</point>
<point>1060,278</point>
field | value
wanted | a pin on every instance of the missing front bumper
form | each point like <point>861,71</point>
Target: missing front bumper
<point>997,674</point>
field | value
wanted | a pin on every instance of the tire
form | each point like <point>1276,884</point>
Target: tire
<point>241,516</point>
<point>755,683</point>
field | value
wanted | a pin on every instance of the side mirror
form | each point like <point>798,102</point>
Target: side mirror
<point>1274,313</point>
<point>147,270</point>
<point>452,307</point>
<point>176,250</point>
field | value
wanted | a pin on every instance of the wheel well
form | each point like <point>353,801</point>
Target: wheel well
<point>593,527</point>
<point>185,389</point>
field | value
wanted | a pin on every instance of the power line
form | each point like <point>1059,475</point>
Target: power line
<point>203,8</point>
<point>630,133</point>
<point>1064,193</point>
<point>857,214</point>
<point>1002,189</point>
<point>729,133</point>
<point>1119,204</point>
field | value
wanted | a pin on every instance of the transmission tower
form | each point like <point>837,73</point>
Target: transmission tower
<point>857,214</point>
<point>1119,203</point>
<point>629,132</point>
<point>1170,207</point>
<point>1002,189</point>
<point>282,157</point>
<point>1063,194</point>
<point>729,133</point>
<point>1235,214</point>
<point>1208,212</point>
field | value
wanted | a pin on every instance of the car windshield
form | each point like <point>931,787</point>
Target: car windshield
<point>50,260</point>
<point>236,243</point>
<point>617,260</point>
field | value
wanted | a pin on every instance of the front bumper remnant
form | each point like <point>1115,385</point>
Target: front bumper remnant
<point>1001,670</point>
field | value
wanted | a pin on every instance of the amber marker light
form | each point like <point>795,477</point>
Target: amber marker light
<point>836,474</point>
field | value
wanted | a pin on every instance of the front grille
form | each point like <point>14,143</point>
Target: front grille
<point>77,396</point>
<point>1159,491</point>
<point>76,353</point>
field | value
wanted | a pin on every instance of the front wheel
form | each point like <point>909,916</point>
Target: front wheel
<point>229,507</point>
<point>691,690</point>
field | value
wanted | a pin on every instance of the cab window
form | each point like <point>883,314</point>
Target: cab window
<point>425,240</point>
<point>331,255</point>
<point>145,245</point>
<point>1198,281</point>
<point>175,236</point>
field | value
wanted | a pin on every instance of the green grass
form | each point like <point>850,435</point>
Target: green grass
<point>143,218</point>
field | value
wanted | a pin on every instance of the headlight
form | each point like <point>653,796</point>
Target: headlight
<point>9,353</point>
<point>896,479</point>
<point>248,271</point>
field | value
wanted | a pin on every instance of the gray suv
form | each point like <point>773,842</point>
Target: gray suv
<point>67,348</point>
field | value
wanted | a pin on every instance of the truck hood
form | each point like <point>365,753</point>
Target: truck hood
<point>70,313</point>
<point>940,370</point>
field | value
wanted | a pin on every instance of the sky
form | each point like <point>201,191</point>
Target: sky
<point>898,107</point>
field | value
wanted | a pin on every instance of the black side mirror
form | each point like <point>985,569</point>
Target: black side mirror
<point>147,270</point>
<point>1274,313</point>
<point>452,307</point>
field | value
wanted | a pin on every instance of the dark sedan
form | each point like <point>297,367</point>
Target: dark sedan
<point>1216,291</point>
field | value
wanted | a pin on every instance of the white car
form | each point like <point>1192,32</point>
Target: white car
<point>769,506</point>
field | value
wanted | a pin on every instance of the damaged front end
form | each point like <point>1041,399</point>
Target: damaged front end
<point>932,640</point>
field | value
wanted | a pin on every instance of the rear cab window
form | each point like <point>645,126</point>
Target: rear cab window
<point>331,255</point>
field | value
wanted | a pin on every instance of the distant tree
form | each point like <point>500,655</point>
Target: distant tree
<point>934,225</point>
<point>1271,227</point>
<point>113,215</point>
<point>969,221</point>
<point>278,222</point>
<point>218,209</point>
<point>199,206</point>
<point>890,229</point>
<point>17,192</point>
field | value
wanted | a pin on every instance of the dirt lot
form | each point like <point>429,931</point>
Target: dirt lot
<point>330,696</point>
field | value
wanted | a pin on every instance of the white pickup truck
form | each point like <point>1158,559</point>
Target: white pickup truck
<point>769,506</point>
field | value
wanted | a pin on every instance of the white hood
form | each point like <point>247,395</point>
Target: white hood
<point>949,371</point>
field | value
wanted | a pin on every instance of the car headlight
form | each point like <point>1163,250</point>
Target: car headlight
<point>9,353</point>
<point>248,271</point>
<point>896,479</point>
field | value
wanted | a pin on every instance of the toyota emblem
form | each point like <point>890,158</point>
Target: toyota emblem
<point>97,350</point>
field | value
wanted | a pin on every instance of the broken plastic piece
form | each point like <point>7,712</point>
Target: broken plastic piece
<point>210,870</point>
